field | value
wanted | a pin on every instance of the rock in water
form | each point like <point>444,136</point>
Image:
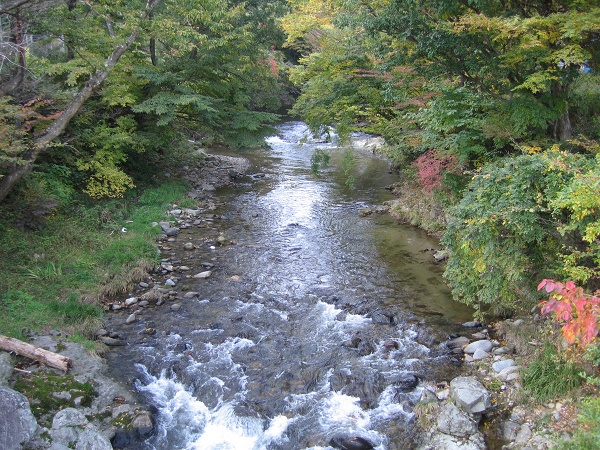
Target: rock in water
<point>353,443</point>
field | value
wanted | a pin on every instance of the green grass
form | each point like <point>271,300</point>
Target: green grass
<point>587,434</point>
<point>551,375</point>
<point>80,253</point>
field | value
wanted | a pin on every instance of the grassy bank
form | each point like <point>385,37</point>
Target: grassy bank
<point>57,270</point>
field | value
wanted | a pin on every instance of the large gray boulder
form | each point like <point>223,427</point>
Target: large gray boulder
<point>70,426</point>
<point>455,422</point>
<point>17,424</point>
<point>470,395</point>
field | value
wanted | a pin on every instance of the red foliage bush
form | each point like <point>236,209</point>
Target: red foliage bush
<point>431,168</point>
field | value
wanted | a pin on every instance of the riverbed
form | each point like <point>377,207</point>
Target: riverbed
<point>317,321</point>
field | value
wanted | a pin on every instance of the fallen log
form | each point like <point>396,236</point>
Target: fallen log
<point>46,357</point>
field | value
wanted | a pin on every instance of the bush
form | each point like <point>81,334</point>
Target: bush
<point>504,233</point>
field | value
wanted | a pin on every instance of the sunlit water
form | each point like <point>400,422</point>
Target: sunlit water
<point>288,343</point>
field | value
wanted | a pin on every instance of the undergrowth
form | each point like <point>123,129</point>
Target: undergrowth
<point>551,375</point>
<point>86,250</point>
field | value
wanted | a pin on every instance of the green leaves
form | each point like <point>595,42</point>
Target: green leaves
<point>503,233</point>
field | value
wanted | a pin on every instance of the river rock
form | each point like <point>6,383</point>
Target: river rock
<point>170,282</point>
<point>472,324</point>
<point>71,426</point>
<point>17,423</point>
<point>350,443</point>
<point>188,246</point>
<point>204,274</point>
<point>480,354</point>
<point>455,422</point>
<point>112,342</point>
<point>6,368</point>
<point>499,366</point>
<point>171,231</point>
<point>458,342</point>
<point>130,319</point>
<point>142,424</point>
<point>483,344</point>
<point>509,373</point>
<point>470,395</point>
<point>130,301</point>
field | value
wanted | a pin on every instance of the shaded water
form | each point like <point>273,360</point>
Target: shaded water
<point>316,323</point>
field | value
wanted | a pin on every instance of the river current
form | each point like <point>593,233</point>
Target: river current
<point>316,323</point>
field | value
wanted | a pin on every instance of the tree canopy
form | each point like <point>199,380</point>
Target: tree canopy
<point>104,80</point>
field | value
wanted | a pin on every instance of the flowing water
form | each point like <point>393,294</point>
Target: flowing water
<point>317,323</point>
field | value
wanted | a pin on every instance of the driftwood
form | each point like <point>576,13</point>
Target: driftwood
<point>37,353</point>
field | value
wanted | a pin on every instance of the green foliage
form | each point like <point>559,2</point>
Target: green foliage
<point>587,433</point>
<point>550,375</point>
<point>579,199</point>
<point>502,234</point>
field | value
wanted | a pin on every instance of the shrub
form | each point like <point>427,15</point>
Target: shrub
<point>503,234</point>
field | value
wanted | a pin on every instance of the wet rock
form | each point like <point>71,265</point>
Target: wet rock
<point>364,212</point>
<point>366,348</point>
<point>352,343</point>
<point>142,424</point>
<point>390,345</point>
<point>470,395</point>
<point>175,307</point>
<point>350,443</point>
<point>17,423</point>
<point>406,383</point>
<point>458,342</point>
<point>472,324</point>
<point>440,255</point>
<point>112,342</point>
<point>455,422</point>
<point>132,318</point>
<point>382,318</point>
<point>484,345</point>
<point>222,240</point>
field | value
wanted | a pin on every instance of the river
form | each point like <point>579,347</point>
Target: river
<point>316,324</point>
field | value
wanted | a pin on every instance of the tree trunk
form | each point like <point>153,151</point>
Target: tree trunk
<point>562,129</point>
<point>17,37</point>
<point>37,353</point>
<point>40,144</point>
